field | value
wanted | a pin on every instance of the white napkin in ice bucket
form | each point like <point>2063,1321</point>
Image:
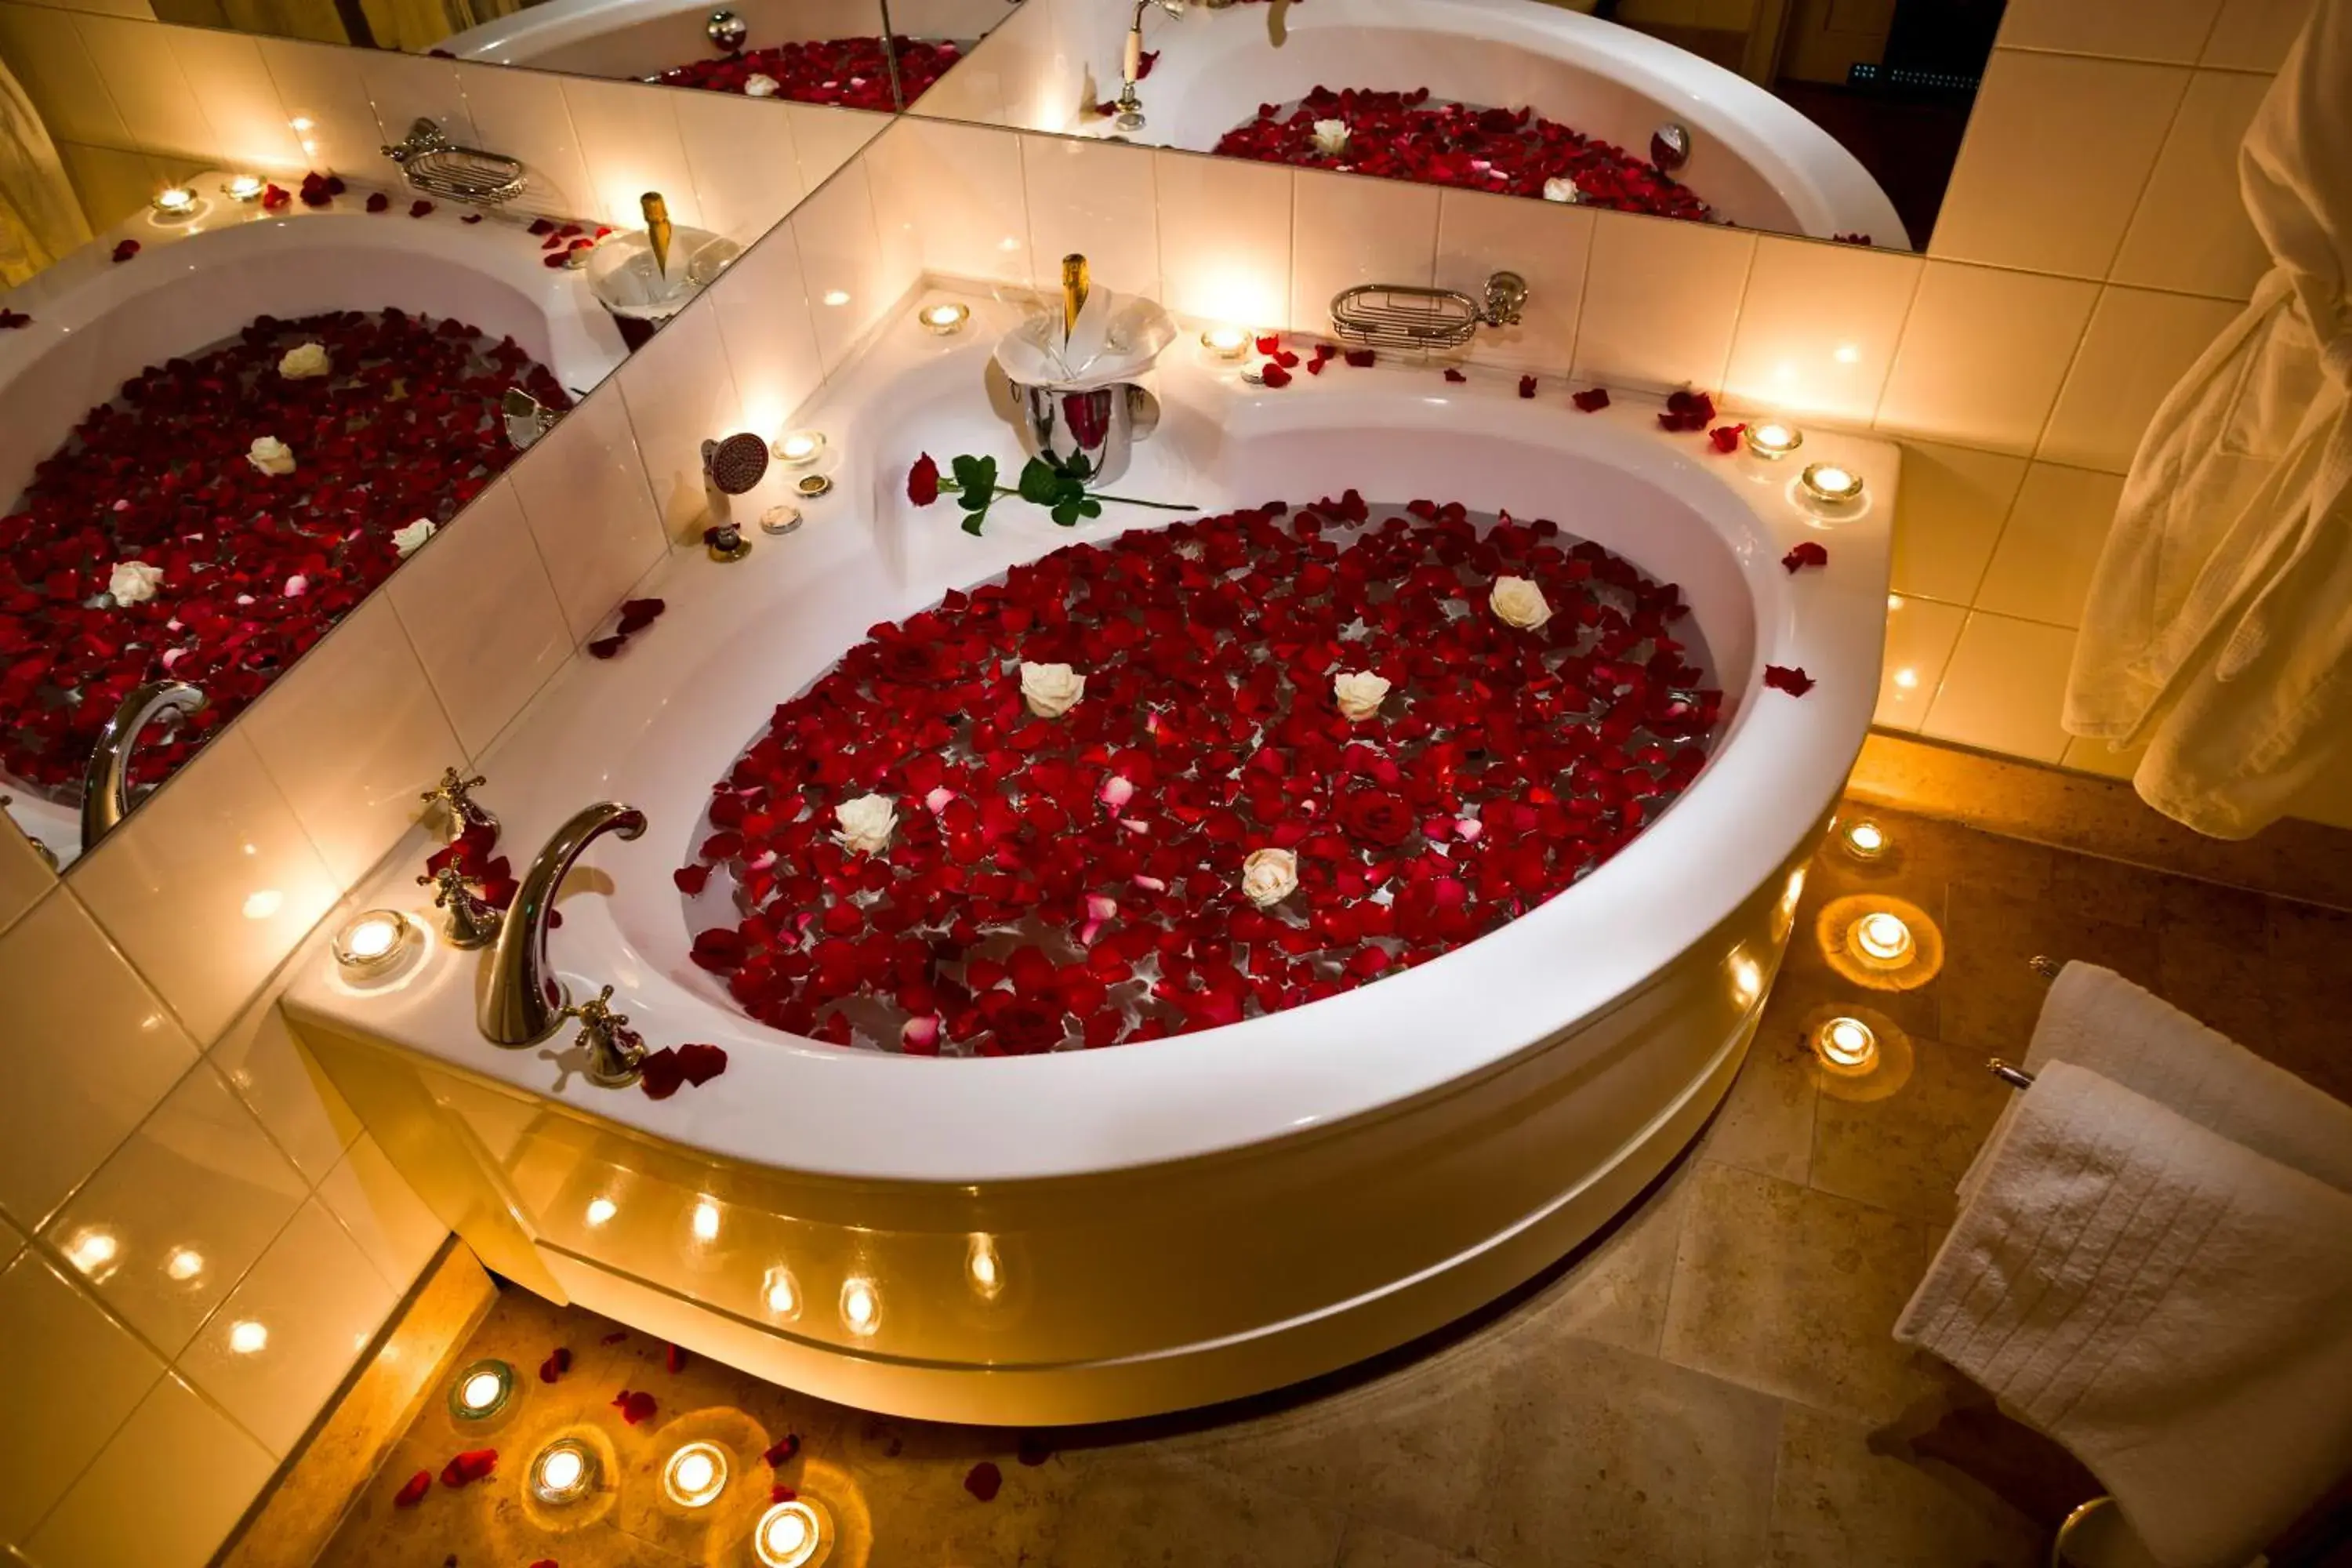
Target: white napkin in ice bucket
<point>1115,339</point>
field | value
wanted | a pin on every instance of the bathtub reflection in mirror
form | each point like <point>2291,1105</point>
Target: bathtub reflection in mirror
<point>237,390</point>
<point>1803,117</point>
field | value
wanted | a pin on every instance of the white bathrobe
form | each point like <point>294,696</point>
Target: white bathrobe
<point>2218,628</point>
<point>40,220</point>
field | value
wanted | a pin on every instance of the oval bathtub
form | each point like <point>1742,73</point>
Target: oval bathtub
<point>639,39</point>
<point>1097,1234</point>
<point>96,323</point>
<point>1756,161</point>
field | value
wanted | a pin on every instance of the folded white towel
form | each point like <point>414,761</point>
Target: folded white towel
<point>2173,1308</point>
<point>2098,1019</point>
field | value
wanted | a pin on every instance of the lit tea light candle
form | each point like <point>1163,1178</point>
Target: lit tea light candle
<point>1773,440</point>
<point>986,1270</point>
<point>1846,1043</point>
<point>481,1390</point>
<point>563,1472</point>
<point>696,1475</point>
<point>244,188</point>
<point>1226,342</point>
<point>1832,482</point>
<point>178,201</point>
<point>1882,938</point>
<point>945,320</point>
<point>781,1292</point>
<point>801,448</point>
<point>249,1338</point>
<point>602,1209</point>
<point>1865,839</point>
<point>861,1306</point>
<point>372,940</point>
<point>788,1535</point>
<point>705,1223</point>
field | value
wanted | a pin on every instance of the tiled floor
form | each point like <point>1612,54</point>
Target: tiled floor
<point>1712,1382</point>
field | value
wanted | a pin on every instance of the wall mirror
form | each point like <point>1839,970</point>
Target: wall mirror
<point>250,363</point>
<point>1829,119</point>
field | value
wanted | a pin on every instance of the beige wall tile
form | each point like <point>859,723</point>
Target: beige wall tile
<point>2254,35</point>
<point>55,69</point>
<point>239,99</point>
<point>2138,345</point>
<point>1346,230</point>
<point>1660,299</point>
<point>630,141</point>
<point>2057,151</point>
<point>83,1374</point>
<point>2041,569</point>
<point>170,1223</point>
<point>584,493</point>
<point>327,105</point>
<point>274,1074</point>
<point>1982,355</point>
<point>1097,198</point>
<point>951,197</point>
<point>745,170</point>
<point>679,394</point>
<point>164,1493</point>
<point>24,874</point>
<point>1224,238</point>
<point>352,735</point>
<point>209,885</point>
<point>110,1052</point>
<point>405,89</point>
<point>109,183</point>
<point>2170,30</point>
<point>2003,687</point>
<point>849,284</point>
<point>482,616</point>
<point>1919,637</point>
<point>384,1214</point>
<point>524,115</point>
<point>317,1302</point>
<point>1948,515</point>
<point>2190,232</point>
<point>1818,327</point>
<point>827,138</point>
<point>1550,243</point>
<point>146,83</point>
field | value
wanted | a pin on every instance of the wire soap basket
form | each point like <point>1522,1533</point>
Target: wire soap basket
<point>433,163</point>
<point>1397,316</point>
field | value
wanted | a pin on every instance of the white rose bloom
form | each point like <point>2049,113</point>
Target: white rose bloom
<point>1330,137</point>
<point>1519,602</point>
<point>1269,876</point>
<point>271,454</point>
<point>302,363</point>
<point>1051,689</point>
<point>1359,693</point>
<point>761,86</point>
<point>1562,189</point>
<point>410,540</point>
<point>133,582</point>
<point>866,824</point>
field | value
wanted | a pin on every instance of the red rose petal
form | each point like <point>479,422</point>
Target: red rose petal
<point>1809,554</point>
<point>984,1480</point>
<point>124,250</point>
<point>784,1449</point>
<point>1273,374</point>
<point>556,1364</point>
<point>1795,682</point>
<point>616,1337</point>
<point>469,1467</point>
<point>378,202</point>
<point>1360,358</point>
<point>781,1494</point>
<point>419,207</point>
<point>1592,401</point>
<point>1527,387</point>
<point>673,1357</point>
<point>1726,437</point>
<point>605,648</point>
<point>690,880</point>
<point>1456,375</point>
<point>635,1406</point>
<point>413,1490</point>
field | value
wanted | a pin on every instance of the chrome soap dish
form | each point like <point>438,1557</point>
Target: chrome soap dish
<point>433,163</point>
<point>1397,316</point>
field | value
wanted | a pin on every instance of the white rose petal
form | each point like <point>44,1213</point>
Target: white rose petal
<point>304,363</point>
<point>761,86</point>
<point>866,824</point>
<point>271,454</point>
<point>410,540</point>
<point>1269,876</point>
<point>1051,689</point>
<point>133,582</point>
<point>1562,189</point>
<point>296,585</point>
<point>1519,603</point>
<point>1360,694</point>
<point>1330,137</point>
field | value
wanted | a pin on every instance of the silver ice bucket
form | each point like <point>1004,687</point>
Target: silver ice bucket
<point>1101,425</point>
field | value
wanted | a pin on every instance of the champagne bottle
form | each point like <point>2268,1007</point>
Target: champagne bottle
<point>1073,291</point>
<point>657,229</point>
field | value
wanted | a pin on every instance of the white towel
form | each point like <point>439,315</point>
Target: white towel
<point>2173,1308</point>
<point>2095,1019</point>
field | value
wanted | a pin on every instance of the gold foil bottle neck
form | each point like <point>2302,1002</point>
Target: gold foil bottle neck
<point>657,229</point>
<point>1075,288</point>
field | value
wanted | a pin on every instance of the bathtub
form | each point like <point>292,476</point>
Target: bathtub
<point>636,39</point>
<point>1094,1234</point>
<point>1758,162</point>
<point>95,322</point>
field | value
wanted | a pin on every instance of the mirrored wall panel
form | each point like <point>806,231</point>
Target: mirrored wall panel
<point>1830,118</point>
<point>278,312</point>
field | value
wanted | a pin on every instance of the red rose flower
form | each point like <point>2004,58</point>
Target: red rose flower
<point>923,481</point>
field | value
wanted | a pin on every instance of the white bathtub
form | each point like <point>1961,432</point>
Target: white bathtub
<point>1755,159</point>
<point>1167,1223</point>
<point>639,39</point>
<point>97,322</point>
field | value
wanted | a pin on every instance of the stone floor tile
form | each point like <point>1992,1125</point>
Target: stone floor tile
<point>1989,997</point>
<point>1906,1150</point>
<point>1139,1510</point>
<point>1838,1505</point>
<point>1795,1292</point>
<point>2103,889</point>
<point>1766,1124</point>
<point>1616,1291</point>
<point>1610,1459</point>
<point>1370,1546</point>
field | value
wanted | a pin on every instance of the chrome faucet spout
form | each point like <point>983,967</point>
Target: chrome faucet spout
<point>524,1002</point>
<point>106,785</point>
